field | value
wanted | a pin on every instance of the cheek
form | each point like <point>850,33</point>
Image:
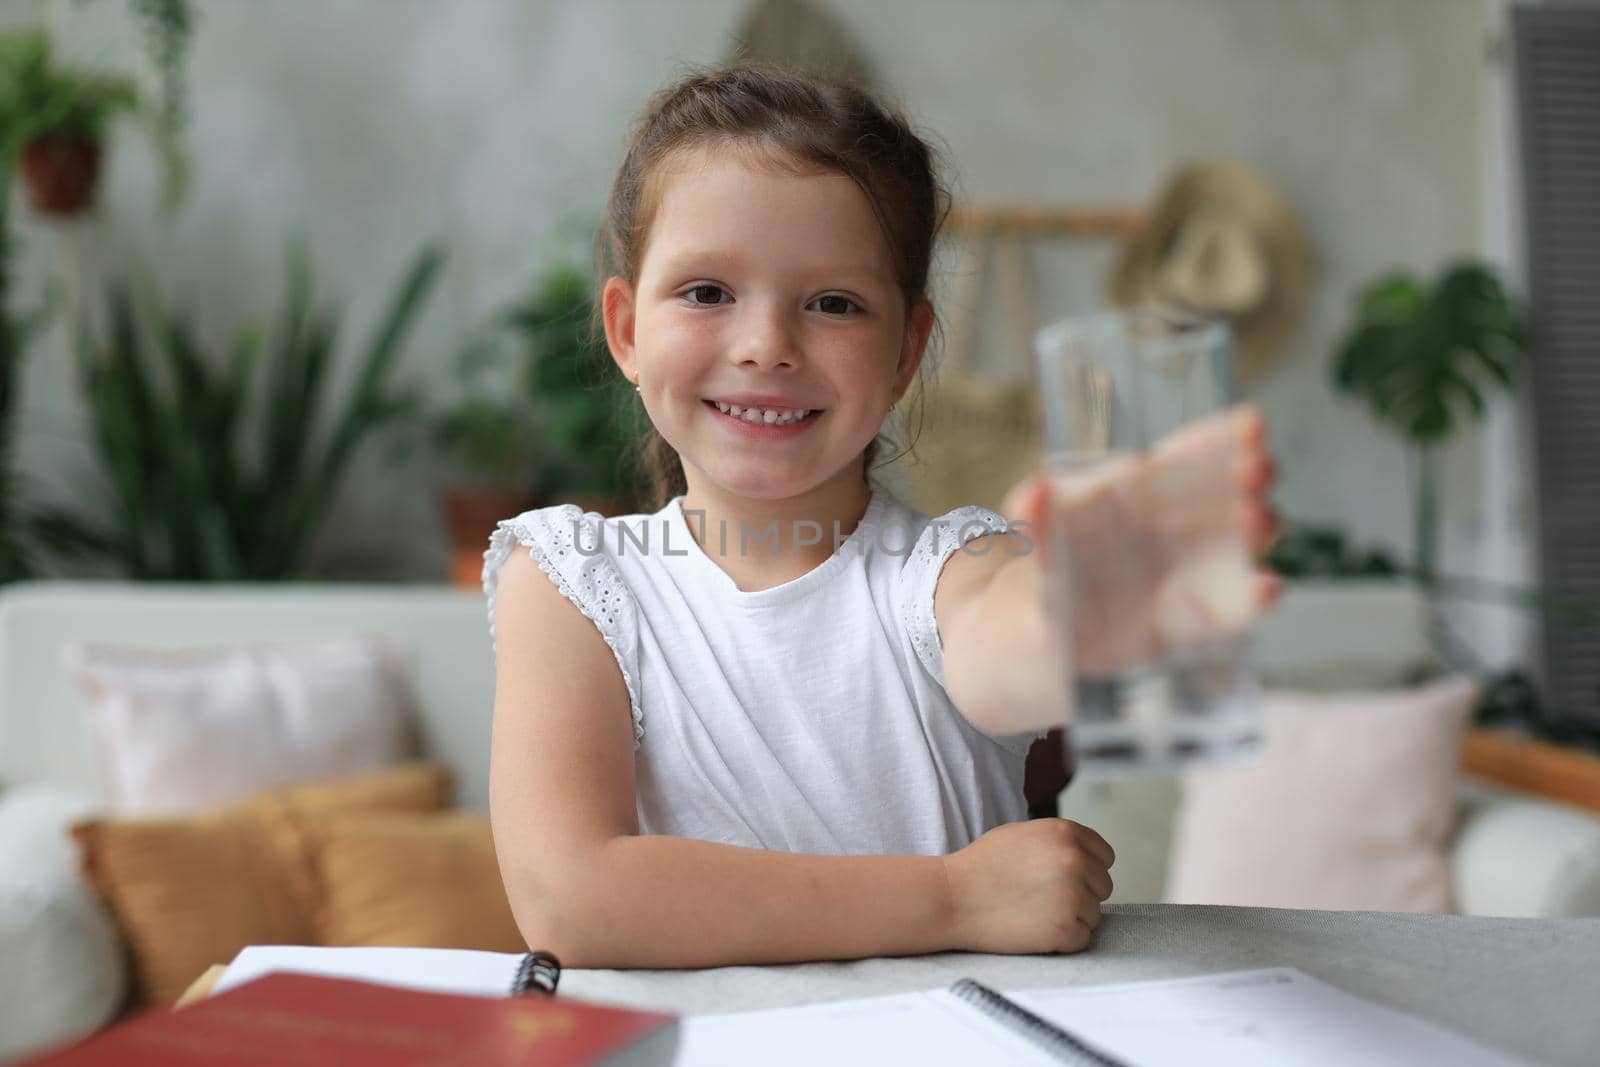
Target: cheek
<point>676,340</point>
<point>872,359</point>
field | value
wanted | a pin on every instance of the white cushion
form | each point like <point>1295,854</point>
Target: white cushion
<point>1519,856</point>
<point>181,730</point>
<point>61,962</point>
<point>1349,807</point>
<point>439,634</point>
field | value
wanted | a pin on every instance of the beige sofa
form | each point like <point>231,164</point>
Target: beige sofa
<point>60,962</point>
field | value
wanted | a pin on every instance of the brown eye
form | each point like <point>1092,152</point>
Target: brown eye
<point>833,304</point>
<point>706,294</point>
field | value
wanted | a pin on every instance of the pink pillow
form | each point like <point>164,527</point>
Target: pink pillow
<point>181,730</point>
<point>1349,807</point>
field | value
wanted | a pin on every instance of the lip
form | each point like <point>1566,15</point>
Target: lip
<point>762,430</point>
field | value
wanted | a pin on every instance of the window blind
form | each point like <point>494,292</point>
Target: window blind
<point>1556,49</point>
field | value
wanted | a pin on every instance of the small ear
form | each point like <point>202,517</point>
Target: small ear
<point>919,325</point>
<point>617,308</point>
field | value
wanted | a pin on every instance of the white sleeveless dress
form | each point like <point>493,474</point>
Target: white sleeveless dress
<point>809,717</point>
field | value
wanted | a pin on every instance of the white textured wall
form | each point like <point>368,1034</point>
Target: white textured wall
<point>369,126</point>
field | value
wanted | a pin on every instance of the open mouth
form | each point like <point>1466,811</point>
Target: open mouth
<point>766,416</point>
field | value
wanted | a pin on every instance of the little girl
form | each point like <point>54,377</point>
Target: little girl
<point>784,717</point>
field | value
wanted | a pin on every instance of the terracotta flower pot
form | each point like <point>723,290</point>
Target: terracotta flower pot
<point>62,174</point>
<point>470,517</point>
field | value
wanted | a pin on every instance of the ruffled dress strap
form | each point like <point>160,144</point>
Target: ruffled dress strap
<point>568,544</point>
<point>919,578</point>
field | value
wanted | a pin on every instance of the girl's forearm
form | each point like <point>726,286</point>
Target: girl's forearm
<point>1004,664</point>
<point>654,901</point>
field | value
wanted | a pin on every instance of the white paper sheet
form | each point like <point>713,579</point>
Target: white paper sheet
<point>912,1028</point>
<point>441,970</point>
<point>1278,1017</point>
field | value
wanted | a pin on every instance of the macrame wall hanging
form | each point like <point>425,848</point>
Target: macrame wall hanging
<point>980,434</point>
<point>799,34</point>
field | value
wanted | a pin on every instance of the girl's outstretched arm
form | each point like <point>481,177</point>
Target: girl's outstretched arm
<point>1138,533</point>
<point>585,884</point>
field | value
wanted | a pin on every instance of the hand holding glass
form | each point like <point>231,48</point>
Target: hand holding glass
<point>1148,559</point>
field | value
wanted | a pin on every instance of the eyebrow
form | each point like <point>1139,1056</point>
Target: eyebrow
<point>684,261</point>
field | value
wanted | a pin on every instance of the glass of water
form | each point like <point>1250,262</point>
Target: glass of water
<point>1150,576</point>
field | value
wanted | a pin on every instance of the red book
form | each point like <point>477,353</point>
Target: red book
<point>311,1021</point>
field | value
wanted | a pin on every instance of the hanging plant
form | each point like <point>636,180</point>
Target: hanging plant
<point>168,28</point>
<point>54,120</point>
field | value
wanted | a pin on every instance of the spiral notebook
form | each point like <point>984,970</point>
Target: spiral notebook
<point>437,970</point>
<point>1259,1018</point>
<point>1262,1018</point>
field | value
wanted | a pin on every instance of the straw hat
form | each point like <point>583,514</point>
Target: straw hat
<point>1221,241</point>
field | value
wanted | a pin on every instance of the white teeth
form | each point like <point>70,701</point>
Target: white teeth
<point>767,417</point>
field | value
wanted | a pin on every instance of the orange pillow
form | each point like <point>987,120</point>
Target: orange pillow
<point>188,892</point>
<point>393,878</point>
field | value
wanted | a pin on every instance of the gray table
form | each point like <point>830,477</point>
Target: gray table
<point>1530,987</point>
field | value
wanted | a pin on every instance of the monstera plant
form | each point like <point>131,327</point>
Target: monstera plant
<point>1424,357</point>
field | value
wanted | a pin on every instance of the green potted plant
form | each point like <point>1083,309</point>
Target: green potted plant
<point>490,438</point>
<point>1317,550</point>
<point>221,466</point>
<point>1423,357</point>
<point>587,412</point>
<point>543,418</point>
<point>54,120</point>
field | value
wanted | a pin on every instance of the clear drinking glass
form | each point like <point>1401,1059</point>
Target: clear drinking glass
<point>1155,568</point>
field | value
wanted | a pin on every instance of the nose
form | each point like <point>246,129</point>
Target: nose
<point>766,337</point>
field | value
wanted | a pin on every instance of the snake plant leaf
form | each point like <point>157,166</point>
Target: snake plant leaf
<point>384,349</point>
<point>368,405</point>
<point>297,418</point>
<point>124,418</point>
<point>320,342</point>
<point>280,414</point>
<point>243,359</point>
<point>68,534</point>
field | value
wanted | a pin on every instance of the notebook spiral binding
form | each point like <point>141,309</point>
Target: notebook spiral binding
<point>539,972</point>
<point>1025,1023</point>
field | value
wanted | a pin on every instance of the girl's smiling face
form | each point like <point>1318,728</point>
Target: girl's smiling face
<point>762,288</point>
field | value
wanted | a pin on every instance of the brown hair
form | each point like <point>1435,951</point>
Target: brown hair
<point>792,118</point>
